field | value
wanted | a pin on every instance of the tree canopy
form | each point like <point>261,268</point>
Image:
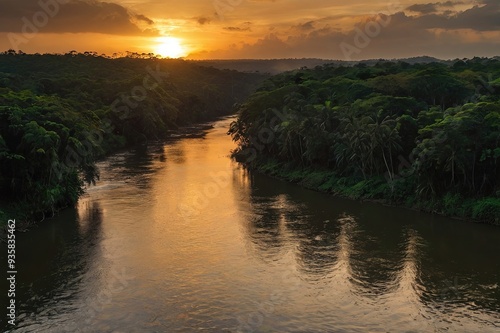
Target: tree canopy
<point>59,113</point>
<point>421,132</point>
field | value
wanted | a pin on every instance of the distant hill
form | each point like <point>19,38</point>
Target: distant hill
<point>272,66</point>
<point>275,66</point>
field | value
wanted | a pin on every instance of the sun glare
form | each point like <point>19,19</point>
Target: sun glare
<point>169,47</point>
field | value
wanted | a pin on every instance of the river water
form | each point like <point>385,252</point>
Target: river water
<point>176,237</point>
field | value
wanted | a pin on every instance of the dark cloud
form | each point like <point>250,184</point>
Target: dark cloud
<point>145,19</point>
<point>73,16</point>
<point>479,18</point>
<point>308,26</point>
<point>245,26</point>
<point>403,35</point>
<point>430,8</point>
<point>489,2</point>
<point>202,20</point>
<point>423,8</point>
<point>450,3</point>
<point>236,28</point>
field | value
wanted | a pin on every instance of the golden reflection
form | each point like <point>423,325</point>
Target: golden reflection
<point>195,206</point>
<point>241,175</point>
<point>284,204</point>
<point>90,215</point>
<point>406,295</point>
<point>408,276</point>
<point>343,268</point>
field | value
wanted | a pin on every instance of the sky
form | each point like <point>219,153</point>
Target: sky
<point>254,29</point>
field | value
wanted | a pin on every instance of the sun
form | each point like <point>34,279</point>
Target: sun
<point>169,47</point>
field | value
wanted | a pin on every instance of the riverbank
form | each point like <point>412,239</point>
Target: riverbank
<point>353,133</point>
<point>8,212</point>
<point>26,220</point>
<point>59,114</point>
<point>378,189</point>
<point>183,229</point>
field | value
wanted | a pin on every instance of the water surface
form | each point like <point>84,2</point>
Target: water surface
<point>176,237</point>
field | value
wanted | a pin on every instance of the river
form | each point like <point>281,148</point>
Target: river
<point>176,237</point>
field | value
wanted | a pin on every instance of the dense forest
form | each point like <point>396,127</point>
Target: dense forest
<point>425,136</point>
<point>60,113</point>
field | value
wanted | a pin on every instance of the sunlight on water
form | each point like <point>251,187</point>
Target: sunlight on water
<point>177,237</point>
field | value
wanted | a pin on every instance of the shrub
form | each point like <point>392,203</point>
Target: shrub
<point>453,204</point>
<point>487,210</point>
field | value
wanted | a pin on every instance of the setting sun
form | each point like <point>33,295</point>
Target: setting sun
<point>169,47</point>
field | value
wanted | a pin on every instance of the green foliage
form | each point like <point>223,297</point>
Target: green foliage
<point>487,209</point>
<point>60,113</point>
<point>424,135</point>
<point>314,179</point>
<point>453,204</point>
<point>374,189</point>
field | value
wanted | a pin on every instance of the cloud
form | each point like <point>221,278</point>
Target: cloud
<point>143,18</point>
<point>460,34</point>
<point>307,26</point>
<point>268,47</point>
<point>489,2</point>
<point>423,8</point>
<point>236,28</point>
<point>202,20</point>
<point>245,26</point>
<point>72,16</point>
<point>430,8</point>
<point>479,18</point>
<point>279,28</point>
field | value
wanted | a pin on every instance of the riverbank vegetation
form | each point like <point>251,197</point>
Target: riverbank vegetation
<point>425,136</point>
<point>60,113</point>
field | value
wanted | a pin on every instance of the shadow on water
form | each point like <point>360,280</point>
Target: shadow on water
<point>47,284</point>
<point>137,165</point>
<point>285,258</point>
<point>383,251</point>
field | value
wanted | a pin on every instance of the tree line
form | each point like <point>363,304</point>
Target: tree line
<point>420,135</point>
<point>60,113</point>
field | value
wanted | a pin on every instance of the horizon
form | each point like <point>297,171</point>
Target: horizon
<point>255,29</point>
<point>126,54</point>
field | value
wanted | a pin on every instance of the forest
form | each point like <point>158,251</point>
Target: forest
<point>425,136</point>
<point>60,113</point>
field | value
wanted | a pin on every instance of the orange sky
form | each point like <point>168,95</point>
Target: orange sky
<point>330,29</point>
